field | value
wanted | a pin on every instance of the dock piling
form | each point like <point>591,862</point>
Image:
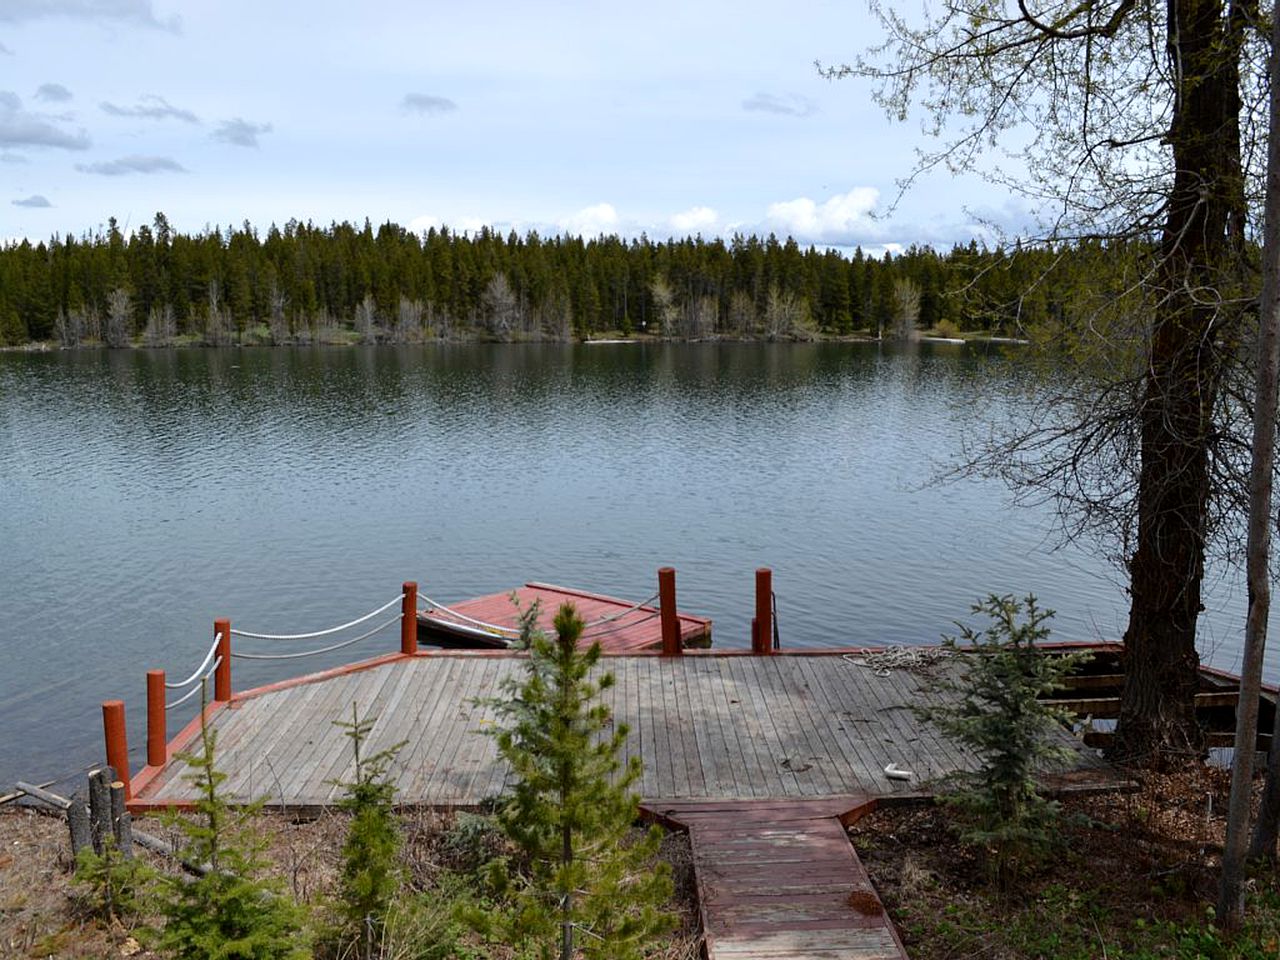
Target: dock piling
<point>409,619</point>
<point>117,741</point>
<point>667,606</point>
<point>222,676</point>
<point>157,734</point>
<point>762,633</point>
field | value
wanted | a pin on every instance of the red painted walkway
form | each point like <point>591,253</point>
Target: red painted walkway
<point>619,625</point>
<point>779,880</point>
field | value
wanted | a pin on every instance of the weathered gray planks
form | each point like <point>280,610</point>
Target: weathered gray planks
<point>704,726</point>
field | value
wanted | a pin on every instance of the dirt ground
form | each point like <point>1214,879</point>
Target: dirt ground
<point>40,918</point>
<point>1131,871</point>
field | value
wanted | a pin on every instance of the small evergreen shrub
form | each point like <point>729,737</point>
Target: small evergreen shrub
<point>371,872</point>
<point>231,912</point>
<point>994,710</point>
<point>583,889</point>
<point>110,886</point>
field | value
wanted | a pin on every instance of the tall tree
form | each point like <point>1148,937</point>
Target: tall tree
<point>1134,111</point>
<point>1258,563</point>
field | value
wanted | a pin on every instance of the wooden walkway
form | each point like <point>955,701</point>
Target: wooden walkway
<point>705,726</point>
<point>780,881</point>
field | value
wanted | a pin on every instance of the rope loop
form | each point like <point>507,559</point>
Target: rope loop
<point>194,690</point>
<point>199,670</point>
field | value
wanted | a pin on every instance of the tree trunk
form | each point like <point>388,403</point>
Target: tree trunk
<point>1204,213</point>
<point>1231,893</point>
<point>1263,843</point>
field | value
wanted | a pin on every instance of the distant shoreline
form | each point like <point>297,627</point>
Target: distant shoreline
<point>338,340</point>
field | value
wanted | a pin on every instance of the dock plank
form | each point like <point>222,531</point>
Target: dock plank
<point>790,889</point>
<point>704,727</point>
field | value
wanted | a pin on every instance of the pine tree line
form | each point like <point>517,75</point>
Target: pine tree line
<point>304,284</point>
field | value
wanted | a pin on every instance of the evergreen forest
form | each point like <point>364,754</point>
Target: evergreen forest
<point>346,283</point>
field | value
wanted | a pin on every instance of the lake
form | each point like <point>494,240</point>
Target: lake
<point>144,493</point>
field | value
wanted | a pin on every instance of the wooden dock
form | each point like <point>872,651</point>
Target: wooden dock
<point>706,725</point>
<point>620,626</point>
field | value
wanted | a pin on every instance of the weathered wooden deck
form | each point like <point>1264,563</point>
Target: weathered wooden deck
<point>781,881</point>
<point>705,726</point>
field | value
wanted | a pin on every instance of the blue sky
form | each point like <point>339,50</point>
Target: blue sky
<point>662,117</point>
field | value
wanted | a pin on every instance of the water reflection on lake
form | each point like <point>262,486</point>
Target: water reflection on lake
<point>146,492</point>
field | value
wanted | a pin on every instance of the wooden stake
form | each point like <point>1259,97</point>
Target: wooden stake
<point>222,676</point>
<point>157,734</point>
<point>100,807</point>
<point>667,605</point>
<point>409,619</point>
<point>762,638</point>
<point>117,740</point>
<point>121,822</point>
<point>78,823</point>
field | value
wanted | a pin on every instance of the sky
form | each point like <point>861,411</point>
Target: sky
<point>665,118</point>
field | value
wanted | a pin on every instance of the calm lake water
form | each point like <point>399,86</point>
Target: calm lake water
<point>144,493</point>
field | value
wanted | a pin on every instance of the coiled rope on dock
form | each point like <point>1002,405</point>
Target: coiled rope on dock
<point>898,657</point>
<point>319,633</point>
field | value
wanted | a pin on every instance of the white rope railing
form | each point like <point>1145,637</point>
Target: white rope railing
<point>194,690</point>
<point>199,672</point>
<point>319,633</point>
<point>622,613</point>
<point>432,606</point>
<point>235,655</point>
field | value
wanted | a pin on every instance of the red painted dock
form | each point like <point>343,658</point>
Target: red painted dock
<point>621,626</point>
<point>779,880</point>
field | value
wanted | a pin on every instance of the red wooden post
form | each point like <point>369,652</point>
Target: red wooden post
<point>409,619</point>
<point>157,736</point>
<point>222,676</point>
<point>762,640</point>
<point>667,606</point>
<point>117,741</point>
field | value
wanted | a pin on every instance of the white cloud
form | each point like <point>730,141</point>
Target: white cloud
<point>128,11</point>
<point>134,164</point>
<point>844,220</point>
<point>425,222</point>
<point>427,103</point>
<point>53,92</point>
<point>21,128</point>
<point>240,133</point>
<point>788,104</point>
<point>151,107</point>
<point>592,221</point>
<point>694,220</point>
<point>35,200</point>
